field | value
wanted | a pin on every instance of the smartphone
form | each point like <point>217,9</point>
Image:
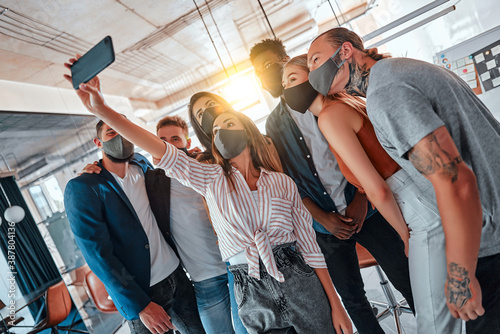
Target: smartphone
<point>93,62</point>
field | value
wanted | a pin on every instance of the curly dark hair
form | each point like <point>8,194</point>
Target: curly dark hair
<point>274,45</point>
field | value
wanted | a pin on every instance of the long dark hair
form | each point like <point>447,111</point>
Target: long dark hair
<point>205,139</point>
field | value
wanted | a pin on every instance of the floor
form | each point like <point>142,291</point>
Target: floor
<point>123,330</point>
<point>373,292</point>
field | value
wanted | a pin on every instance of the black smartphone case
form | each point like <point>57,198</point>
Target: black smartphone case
<point>93,62</point>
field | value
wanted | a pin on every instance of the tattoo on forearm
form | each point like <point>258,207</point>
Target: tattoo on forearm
<point>358,79</point>
<point>457,290</point>
<point>435,159</point>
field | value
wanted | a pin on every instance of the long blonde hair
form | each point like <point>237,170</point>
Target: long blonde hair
<point>354,102</point>
<point>259,146</point>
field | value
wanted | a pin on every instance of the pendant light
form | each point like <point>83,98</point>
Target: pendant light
<point>14,213</point>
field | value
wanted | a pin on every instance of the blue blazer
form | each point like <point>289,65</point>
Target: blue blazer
<point>110,235</point>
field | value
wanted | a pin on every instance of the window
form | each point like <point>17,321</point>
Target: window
<point>53,194</point>
<point>41,202</point>
<point>48,197</point>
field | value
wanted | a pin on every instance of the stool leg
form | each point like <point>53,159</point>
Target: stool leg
<point>393,306</point>
<point>397,322</point>
<point>386,288</point>
<point>384,314</point>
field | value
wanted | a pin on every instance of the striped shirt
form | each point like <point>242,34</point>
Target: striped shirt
<point>242,224</point>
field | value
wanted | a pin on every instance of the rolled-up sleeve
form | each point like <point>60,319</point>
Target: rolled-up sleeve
<point>304,232</point>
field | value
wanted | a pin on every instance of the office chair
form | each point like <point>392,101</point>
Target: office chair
<point>57,309</point>
<point>99,296</point>
<point>6,324</point>
<point>78,277</point>
<point>392,306</point>
<point>97,292</point>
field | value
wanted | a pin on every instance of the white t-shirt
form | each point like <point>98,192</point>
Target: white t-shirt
<point>163,258</point>
<point>326,165</point>
<point>193,234</point>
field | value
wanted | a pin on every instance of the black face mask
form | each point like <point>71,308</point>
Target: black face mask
<point>208,118</point>
<point>271,79</point>
<point>300,97</point>
<point>230,143</point>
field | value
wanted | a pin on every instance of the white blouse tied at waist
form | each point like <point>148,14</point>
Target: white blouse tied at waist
<point>240,223</point>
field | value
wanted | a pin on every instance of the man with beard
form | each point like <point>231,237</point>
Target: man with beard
<point>341,215</point>
<point>126,241</point>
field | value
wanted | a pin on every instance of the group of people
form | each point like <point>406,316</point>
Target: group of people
<point>395,154</point>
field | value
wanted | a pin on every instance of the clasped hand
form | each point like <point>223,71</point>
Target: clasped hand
<point>343,227</point>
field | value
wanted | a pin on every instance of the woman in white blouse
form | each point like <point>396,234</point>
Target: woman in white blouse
<point>264,230</point>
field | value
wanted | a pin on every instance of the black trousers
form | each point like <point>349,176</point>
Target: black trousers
<point>176,295</point>
<point>488,275</point>
<point>384,243</point>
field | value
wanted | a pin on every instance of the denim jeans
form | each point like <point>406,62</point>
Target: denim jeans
<point>239,328</point>
<point>488,275</point>
<point>384,243</point>
<point>298,305</point>
<point>212,297</point>
<point>176,295</point>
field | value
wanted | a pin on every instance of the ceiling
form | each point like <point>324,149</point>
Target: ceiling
<point>162,47</point>
<point>39,134</point>
<point>166,51</point>
<point>32,144</point>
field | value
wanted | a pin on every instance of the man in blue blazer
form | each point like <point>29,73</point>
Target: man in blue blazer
<point>120,219</point>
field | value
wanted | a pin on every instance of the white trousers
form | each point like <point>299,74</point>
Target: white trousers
<point>427,258</point>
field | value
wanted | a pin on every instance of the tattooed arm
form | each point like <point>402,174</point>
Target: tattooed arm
<point>437,158</point>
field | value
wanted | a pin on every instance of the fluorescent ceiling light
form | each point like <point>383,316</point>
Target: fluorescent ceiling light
<point>412,27</point>
<point>404,19</point>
